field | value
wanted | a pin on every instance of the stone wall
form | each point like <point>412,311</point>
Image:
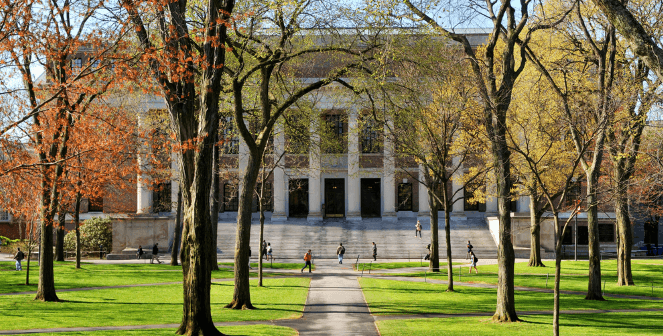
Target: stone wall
<point>129,232</point>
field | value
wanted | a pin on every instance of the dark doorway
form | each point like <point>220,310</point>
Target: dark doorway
<point>334,197</point>
<point>370,197</point>
<point>651,233</point>
<point>298,197</point>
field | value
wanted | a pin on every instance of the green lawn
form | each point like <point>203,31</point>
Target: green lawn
<point>279,299</point>
<point>395,265</point>
<point>99,275</point>
<point>253,330</point>
<point>641,323</point>
<point>391,297</point>
<point>574,276</point>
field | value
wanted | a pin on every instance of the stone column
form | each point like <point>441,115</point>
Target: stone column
<point>174,182</point>
<point>354,181</point>
<point>388,182</point>
<point>491,201</point>
<point>424,208</point>
<point>314,200</point>
<point>143,183</point>
<point>458,208</point>
<point>280,183</point>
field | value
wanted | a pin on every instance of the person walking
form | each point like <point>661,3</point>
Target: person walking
<point>473,259</point>
<point>250,258</point>
<point>340,251</point>
<point>155,254</point>
<point>418,229</point>
<point>139,253</point>
<point>269,252</point>
<point>427,257</point>
<point>263,253</point>
<point>19,257</point>
<point>375,252</point>
<point>469,249</point>
<point>307,260</point>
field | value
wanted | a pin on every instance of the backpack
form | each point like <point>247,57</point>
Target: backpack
<point>19,255</point>
<point>342,249</point>
<point>476,259</point>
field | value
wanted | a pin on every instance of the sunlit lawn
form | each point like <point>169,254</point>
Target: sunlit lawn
<point>252,330</point>
<point>574,276</point>
<point>391,297</point>
<point>268,265</point>
<point>394,265</point>
<point>641,323</point>
<point>279,299</point>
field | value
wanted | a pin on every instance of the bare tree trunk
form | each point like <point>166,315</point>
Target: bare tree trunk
<point>535,231</point>
<point>177,234</point>
<point>447,238</point>
<point>242,294</point>
<point>558,268</point>
<point>59,233</point>
<point>594,283</point>
<point>624,274</point>
<point>261,238</point>
<point>434,264</point>
<point>77,211</point>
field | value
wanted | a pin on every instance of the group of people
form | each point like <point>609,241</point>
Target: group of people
<point>470,254</point>
<point>155,253</point>
<point>267,251</point>
<point>340,251</point>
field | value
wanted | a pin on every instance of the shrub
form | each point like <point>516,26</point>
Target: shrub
<point>94,231</point>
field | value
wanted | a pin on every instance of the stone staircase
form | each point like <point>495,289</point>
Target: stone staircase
<point>395,239</point>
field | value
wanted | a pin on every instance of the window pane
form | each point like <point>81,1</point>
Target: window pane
<point>606,233</point>
<point>583,237</point>
<point>405,197</point>
<point>230,200</point>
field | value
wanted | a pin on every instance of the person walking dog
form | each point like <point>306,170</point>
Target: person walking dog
<point>340,251</point>
<point>307,260</point>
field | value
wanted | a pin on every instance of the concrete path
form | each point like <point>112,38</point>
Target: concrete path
<point>335,304</point>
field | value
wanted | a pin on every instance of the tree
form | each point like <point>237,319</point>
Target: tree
<point>642,42</point>
<point>186,55</point>
<point>266,79</point>
<point>495,68</point>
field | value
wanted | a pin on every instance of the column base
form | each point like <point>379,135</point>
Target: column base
<point>314,216</point>
<point>279,217</point>
<point>353,216</point>
<point>389,216</point>
<point>460,215</point>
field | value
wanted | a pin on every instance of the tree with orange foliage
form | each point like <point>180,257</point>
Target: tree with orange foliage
<point>73,44</point>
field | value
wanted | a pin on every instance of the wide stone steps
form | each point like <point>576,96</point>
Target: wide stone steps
<point>395,239</point>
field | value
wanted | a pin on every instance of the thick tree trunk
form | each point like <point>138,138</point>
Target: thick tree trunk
<point>594,283</point>
<point>535,231</point>
<point>59,234</point>
<point>434,264</point>
<point>46,284</point>
<point>242,294</point>
<point>77,211</point>
<point>177,234</point>
<point>197,315</point>
<point>624,275</point>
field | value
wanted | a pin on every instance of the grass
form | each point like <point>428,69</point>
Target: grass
<point>267,265</point>
<point>254,330</point>
<point>396,265</point>
<point>99,275</point>
<point>279,299</point>
<point>391,297</point>
<point>574,276</point>
<point>641,323</point>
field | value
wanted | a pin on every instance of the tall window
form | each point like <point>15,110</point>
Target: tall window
<point>469,194</point>
<point>336,124</point>
<point>583,235</point>
<point>229,135</point>
<point>405,197</point>
<point>230,197</point>
<point>370,137</point>
<point>267,196</point>
<point>606,233</point>
<point>4,216</point>
<point>574,194</point>
<point>161,200</point>
<point>77,63</point>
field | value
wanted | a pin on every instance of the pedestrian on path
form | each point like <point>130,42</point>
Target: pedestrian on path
<point>340,251</point>
<point>18,257</point>
<point>469,249</point>
<point>427,257</point>
<point>418,229</point>
<point>250,258</point>
<point>473,259</point>
<point>307,260</point>
<point>375,252</point>
<point>139,253</point>
<point>264,250</point>
<point>269,252</point>
<point>155,254</point>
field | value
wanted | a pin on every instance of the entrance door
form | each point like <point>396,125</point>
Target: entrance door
<point>298,189</point>
<point>370,197</point>
<point>334,197</point>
